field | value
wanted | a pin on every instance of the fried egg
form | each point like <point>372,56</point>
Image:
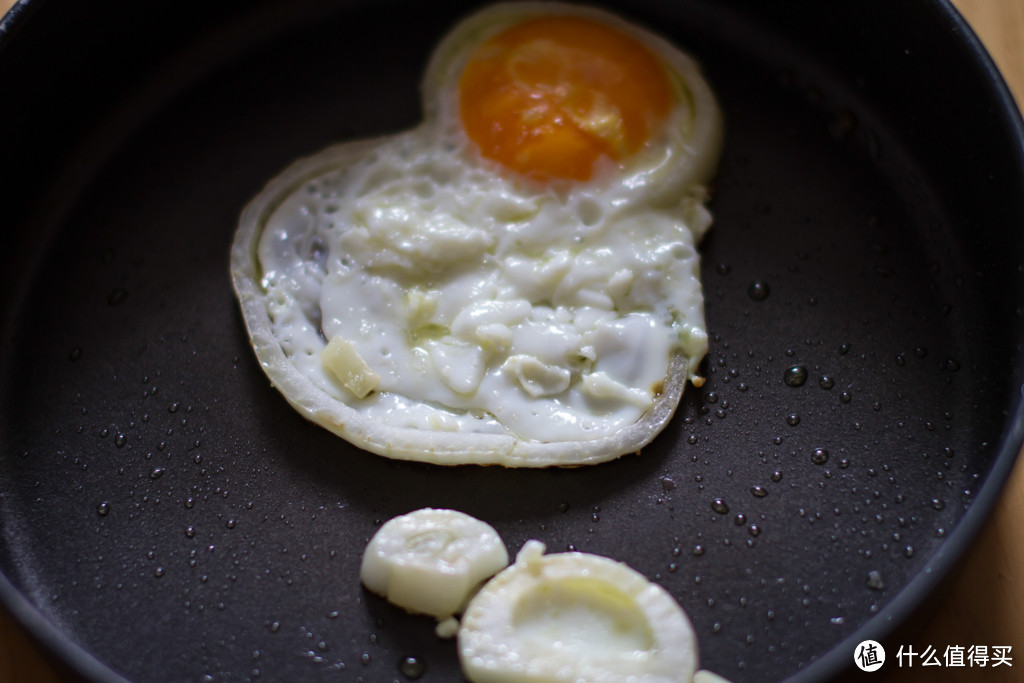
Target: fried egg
<point>515,281</point>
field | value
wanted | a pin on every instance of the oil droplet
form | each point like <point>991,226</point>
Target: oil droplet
<point>365,658</point>
<point>103,509</point>
<point>908,551</point>
<point>826,382</point>
<point>759,491</point>
<point>938,504</point>
<point>231,524</point>
<point>795,376</point>
<point>275,626</point>
<point>754,530</point>
<point>845,397</point>
<point>719,506</point>
<point>190,502</point>
<point>819,456</point>
<point>793,419</point>
<point>740,519</point>
<point>698,550</point>
<point>159,572</point>
<point>723,269</point>
<point>190,531</point>
<point>120,440</point>
<point>776,476</point>
<point>156,473</point>
<point>758,291</point>
<point>411,667</point>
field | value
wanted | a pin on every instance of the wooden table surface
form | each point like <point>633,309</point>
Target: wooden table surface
<point>985,605</point>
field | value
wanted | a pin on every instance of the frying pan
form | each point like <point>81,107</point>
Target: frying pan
<point>165,516</point>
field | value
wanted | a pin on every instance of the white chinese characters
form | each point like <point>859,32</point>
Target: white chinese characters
<point>956,656</point>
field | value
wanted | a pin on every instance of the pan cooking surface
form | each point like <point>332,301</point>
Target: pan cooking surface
<point>166,509</point>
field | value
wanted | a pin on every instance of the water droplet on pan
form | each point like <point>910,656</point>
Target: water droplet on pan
<point>758,291</point>
<point>412,667</point>
<point>795,376</point>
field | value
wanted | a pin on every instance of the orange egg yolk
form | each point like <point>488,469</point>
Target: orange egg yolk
<point>551,96</point>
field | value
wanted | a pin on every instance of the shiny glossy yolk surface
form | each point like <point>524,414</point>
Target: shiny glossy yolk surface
<point>550,96</point>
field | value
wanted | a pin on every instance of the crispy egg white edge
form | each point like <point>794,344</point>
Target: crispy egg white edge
<point>456,448</point>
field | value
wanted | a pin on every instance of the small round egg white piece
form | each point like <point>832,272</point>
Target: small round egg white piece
<point>430,561</point>
<point>425,299</point>
<point>574,618</point>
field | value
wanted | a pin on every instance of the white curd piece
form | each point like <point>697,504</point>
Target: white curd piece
<point>705,676</point>
<point>341,358</point>
<point>574,618</point>
<point>430,561</point>
<point>447,628</point>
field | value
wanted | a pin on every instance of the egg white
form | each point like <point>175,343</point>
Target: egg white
<point>502,321</point>
<point>575,618</point>
<point>431,561</point>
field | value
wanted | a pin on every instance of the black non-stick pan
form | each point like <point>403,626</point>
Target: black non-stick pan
<point>167,517</point>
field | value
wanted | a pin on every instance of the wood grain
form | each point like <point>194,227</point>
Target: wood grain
<point>982,607</point>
